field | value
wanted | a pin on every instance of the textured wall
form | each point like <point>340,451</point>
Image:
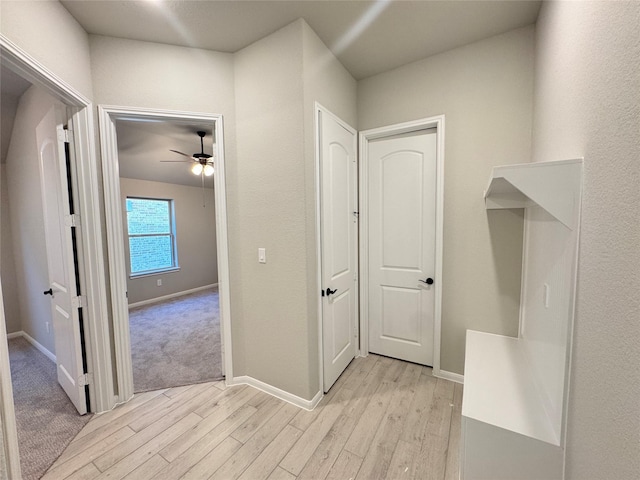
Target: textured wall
<point>327,82</point>
<point>485,91</point>
<point>587,103</point>
<point>27,220</point>
<point>271,334</point>
<point>195,236</point>
<point>7,259</point>
<point>52,36</point>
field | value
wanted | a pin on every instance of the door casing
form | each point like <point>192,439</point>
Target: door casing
<point>365,137</point>
<point>87,189</point>
<point>108,115</point>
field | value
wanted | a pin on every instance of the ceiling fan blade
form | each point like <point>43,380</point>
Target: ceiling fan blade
<point>176,161</point>
<point>180,153</point>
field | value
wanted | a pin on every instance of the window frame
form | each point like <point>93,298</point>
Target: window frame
<point>172,235</point>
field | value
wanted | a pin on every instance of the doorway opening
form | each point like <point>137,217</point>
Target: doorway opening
<point>42,265</point>
<point>401,182</point>
<point>169,225</point>
<point>132,170</point>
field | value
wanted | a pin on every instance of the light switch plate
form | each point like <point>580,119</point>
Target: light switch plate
<point>262,255</point>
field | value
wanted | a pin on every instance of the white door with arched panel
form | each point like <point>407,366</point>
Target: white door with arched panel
<point>59,232</point>
<point>339,240</point>
<point>402,242</point>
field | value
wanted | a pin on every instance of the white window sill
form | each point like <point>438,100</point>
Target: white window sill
<point>154,272</point>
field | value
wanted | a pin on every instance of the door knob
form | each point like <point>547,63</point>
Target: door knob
<point>330,292</point>
<point>48,292</point>
<point>428,281</point>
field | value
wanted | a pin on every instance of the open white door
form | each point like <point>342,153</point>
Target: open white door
<point>401,234</point>
<point>339,263</point>
<point>63,277</point>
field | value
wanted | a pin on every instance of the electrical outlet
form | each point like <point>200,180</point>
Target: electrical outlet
<point>159,282</point>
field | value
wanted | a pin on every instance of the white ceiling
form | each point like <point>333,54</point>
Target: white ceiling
<point>143,149</point>
<point>367,36</point>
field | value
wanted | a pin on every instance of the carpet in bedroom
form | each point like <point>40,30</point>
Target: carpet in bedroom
<point>46,419</point>
<point>176,342</point>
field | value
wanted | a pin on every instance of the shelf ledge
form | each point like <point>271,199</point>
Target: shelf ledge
<point>499,388</point>
<point>554,186</point>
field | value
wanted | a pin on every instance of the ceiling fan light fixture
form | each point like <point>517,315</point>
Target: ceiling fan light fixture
<point>208,170</point>
<point>197,169</point>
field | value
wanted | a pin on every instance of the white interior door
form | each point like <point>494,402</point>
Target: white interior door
<point>60,259</point>
<point>338,178</point>
<point>401,234</point>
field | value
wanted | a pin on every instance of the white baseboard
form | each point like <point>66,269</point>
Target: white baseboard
<point>33,342</point>
<point>454,377</point>
<point>171,295</point>
<point>276,392</point>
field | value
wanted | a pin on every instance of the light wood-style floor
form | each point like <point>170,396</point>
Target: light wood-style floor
<point>382,419</point>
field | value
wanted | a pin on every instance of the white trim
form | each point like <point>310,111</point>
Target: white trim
<point>454,377</point>
<point>172,295</point>
<point>318,199</point>
<point>33,342</point>
<point>524,269</point>
<point>318,108</point>
<point>436,122</point>
<point>117,266</point>
<point>97,338</point>
<point>8,428</point>
<point>36,73</point>
<point>278,393</point>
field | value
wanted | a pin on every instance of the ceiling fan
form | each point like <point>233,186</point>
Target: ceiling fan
<point>202,162</point>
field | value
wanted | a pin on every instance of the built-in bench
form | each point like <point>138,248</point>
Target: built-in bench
<point>516,389</point>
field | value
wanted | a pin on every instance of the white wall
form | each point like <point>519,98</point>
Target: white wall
<point>485,91</point>
<point>195,236</point>
<point>550,260</point>
<point>8,107</point>
<point>52,36</point>
<point>7,260</point>
<point>27,221</point>
<point>325,81</point>
<point>271,332</point>
<point>277,341</point>
<point>587,103</point>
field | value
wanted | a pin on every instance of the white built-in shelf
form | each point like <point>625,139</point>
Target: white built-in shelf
<point>498,388</point>
<point>554,186</point>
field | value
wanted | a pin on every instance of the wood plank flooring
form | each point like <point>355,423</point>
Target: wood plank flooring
<point>383,419</point>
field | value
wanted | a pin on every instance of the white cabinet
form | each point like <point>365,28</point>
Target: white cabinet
<point>516,389</point>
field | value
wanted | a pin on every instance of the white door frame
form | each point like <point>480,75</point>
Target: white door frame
<point>318,108</point>
<point>97,339</point>
<point>365,137</point>
<point>108,115</point>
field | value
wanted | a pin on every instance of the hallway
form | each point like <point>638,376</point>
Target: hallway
<point>383,418</point>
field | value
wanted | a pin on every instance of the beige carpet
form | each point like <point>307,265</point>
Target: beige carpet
<point>176,342</point>
<point>47,420</point>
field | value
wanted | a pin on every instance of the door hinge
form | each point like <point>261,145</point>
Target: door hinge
<point>79,302</point>
<point>65,135</point>
<point>72,220</point>
<point>85,379</point>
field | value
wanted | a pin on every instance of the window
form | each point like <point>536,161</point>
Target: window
<point>151,230</point>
